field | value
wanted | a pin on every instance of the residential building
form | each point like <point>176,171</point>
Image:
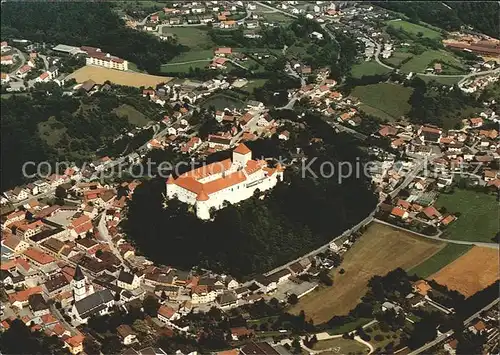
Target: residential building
<point>96,57</point>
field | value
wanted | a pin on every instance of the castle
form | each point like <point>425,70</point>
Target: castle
<point>229,180</point>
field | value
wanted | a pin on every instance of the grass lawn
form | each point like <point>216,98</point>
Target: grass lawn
<point>183,68</point>
<point>271,16</point>
<point>388,337</point>
<point>479,215</point>
<point>414,28</point>
<point>341,346</point>
<point>348,327</point>
<point>391,99</point>
<point>131,114</point>
<point>222,101</point>
<point>368,68</point>
<point>439,260</point>
<point>397,57</point>
<point>51,131</point>
<point>254,83</point>
<point>418,63</point>
<point>193,37</point>
<point>441,79</point>
<point>379,250</point>
<point>192,55</point>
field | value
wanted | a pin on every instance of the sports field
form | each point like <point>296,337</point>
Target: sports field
<point>100,75</point>
<point>439,260</point>
<point>379,250</point>
<point>470,273</point>
<point>478,221</point>
<point>389,99</point>
<point>414,29</point>
<point>368,68</point>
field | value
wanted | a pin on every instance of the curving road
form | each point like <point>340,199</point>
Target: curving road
<point>23,60</point>
<point>452,241</point>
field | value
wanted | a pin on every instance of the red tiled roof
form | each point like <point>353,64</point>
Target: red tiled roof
<point>22,296</point>
<point>38,256</point>
<point>242,149</point>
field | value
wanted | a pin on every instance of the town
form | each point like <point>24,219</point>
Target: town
<point>71,270</point>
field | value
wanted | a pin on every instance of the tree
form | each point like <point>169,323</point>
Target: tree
<point>423,332</point>
<point>90,346</point>
<point>293,299</point>
<point>151,305</point>
<point>140,326</point>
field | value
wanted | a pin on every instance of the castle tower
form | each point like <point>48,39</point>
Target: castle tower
<point>78,283</point>
<point>241,155</point>
<point>202,207</point>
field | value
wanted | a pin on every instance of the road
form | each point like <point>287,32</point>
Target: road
<point>276,10</point>
<point>450,333</point>
<point>104,234</point>
<point>437,238</point>
<point>23,61</point>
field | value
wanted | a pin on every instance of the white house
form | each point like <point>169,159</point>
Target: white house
<point>215,185</point>
<point>202,294</point>
<point>126,334</point>
<point>167,314</point>
<point>128,281</point>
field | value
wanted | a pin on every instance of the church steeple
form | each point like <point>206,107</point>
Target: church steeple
<point>78,283</point>
<point>78,274</point>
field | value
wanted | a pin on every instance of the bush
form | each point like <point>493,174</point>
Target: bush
<point>368,330</point>
<point>341,271</point>
<point>378,337</point>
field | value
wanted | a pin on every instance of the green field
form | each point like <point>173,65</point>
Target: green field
<point>51,131</point>
<point>441,79</point>
<point>414,29</point>
<point>348,327</point>
<point>254,83</point>
<point>340,346</point>
<point>397,57</point>
<point>439,260</point>
<point>183,68</point>
<point>479,215</point>
<point>384,99</point>
<point>193,37</point>
<point>368,68</point>
<point>419,63</point>
<point>131,114</point>
<point>270,16</point>
<point>221,102</point>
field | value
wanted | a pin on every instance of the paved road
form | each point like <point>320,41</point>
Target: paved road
<point>451,241</point>
<point>276,10</point>
<point>450,333</point>
<point>104,234</point>
<point>23,60</point>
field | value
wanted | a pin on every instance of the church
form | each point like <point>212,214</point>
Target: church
<point>231,180</point>
<point>87,302</point>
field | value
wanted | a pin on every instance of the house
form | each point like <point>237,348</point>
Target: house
<point>389,305</point>
<point>56,285</point>
<point>266,283</point>
<point>202,294</point>
<point>128,281</point>
<point>167,314</point>
<point>16,244</point>
<point>7,60</point>
<point>80,226</point>
<point>43,78</point>
<point>38,305</point>
<point>5,78</point>
<point>223,51</point>
<point>215,141</point>
<point>20,299</point>
<point>227,300</point>
<point>451,346</point>
<point>285,135</point>
<point>422,287</point>
<point>431,134</point>
<point>238,333</point>
<point>478,327</point>
<point>399,212</point>
<point>75,344</point>
<point>218,63</point>
<point>23,71</point>
<point>430,213</point>
<point>438,68</point>
<point>126,334</point>
<point>316,35</point>
<point>476,122</point>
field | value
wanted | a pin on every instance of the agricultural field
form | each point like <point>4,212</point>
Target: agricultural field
<point>368,68</point>
<point>100,75</point>
<point>470,273</point>
<point>388,101</point>
<point>418,63</point>
<point>479,215</point>
<point>340,346</point>
<point>415,29</point>
<point>379,250</point>
<point>441,79</point>
<point>131,114</point>
<point>439,260</point>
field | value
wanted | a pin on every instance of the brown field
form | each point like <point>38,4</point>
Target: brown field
<point>473,271</point>
<point>100,75</point>
<point>379,250</point>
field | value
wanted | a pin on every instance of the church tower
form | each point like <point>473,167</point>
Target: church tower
<point>78,283</point>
